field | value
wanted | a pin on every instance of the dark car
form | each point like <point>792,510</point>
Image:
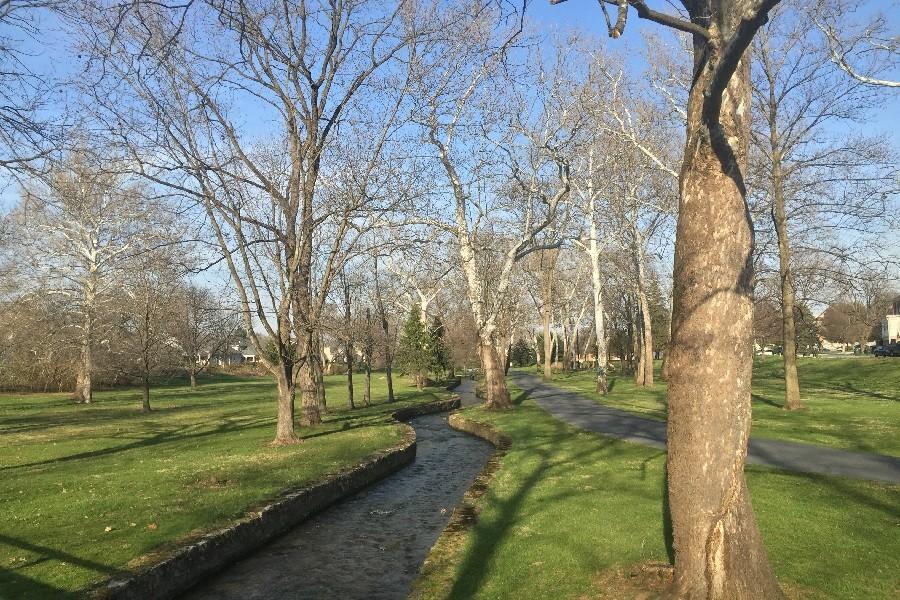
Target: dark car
<point>887,350</point>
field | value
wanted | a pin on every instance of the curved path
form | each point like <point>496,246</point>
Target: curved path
<point>372,544</point>
<point>583,412</point>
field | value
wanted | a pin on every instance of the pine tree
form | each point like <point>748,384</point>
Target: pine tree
<point>440,353</point>
<point>414,354</point>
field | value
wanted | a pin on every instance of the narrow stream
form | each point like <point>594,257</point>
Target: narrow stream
<point>372,544</point>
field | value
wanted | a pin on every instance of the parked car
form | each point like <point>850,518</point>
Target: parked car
<point>887,350</point>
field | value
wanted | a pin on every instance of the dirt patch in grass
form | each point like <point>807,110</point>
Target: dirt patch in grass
<point>642,581</point>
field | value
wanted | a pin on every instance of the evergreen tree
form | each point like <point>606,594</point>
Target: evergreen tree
<point>438,350</point>
<point>414,354</point>
<point>521,355</point>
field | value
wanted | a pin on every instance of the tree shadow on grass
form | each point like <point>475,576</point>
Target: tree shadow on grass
<point>20,586</point>
<point>764,400</point>
<point>539,448</point>
<point>852,389</point>
<point>161,437</point>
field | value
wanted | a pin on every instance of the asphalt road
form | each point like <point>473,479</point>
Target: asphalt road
<point>584,413</point>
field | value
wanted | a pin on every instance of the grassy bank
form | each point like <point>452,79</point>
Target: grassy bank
<point>87,490</point>
<point>568,512</point>
<point>851,403</point>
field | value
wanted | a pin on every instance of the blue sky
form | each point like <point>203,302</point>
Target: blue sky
<point>50,53</point>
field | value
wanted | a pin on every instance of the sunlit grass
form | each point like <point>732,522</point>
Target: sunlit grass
<point>568,507</point>
<point>851,403</point>
<point>87,490</point>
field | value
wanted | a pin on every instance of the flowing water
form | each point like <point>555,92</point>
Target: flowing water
<point>372,544</point>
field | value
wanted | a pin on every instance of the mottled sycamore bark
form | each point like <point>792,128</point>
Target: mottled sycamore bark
<point>718,550</point>
<point>496,394</point>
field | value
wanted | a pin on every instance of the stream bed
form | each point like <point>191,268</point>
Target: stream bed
<point>372,544</point>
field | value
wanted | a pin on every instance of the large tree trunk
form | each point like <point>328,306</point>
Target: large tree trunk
<point>284,429</point>
<point>310,401</point>
<point>496,393</point>
<point>789,329</point>
<point>193,378</point>
<point>145,393</point>
<point>718,549</point>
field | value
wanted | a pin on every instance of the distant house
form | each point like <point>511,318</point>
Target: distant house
<point>239,354</point>
<point>890,324</point>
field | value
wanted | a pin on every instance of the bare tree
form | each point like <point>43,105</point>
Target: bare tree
<point>457,74</point>
<point>28,133</point>
<point>147,344</point>
<point>82,225</point>
<point>202,328</point>
<point>815,185</point>
<point>862,50</point>
<point>308,68</point>
<point>718,548</point>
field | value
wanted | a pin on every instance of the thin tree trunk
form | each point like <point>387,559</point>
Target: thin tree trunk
<point>496,393</point>
<point>789,328</point>
<point>646,348</point>
<point>348,347</point>
<point>637,347</point>
<point>350,378</point>
<point>193,377</point>
<point>145,393</point>
<point>318,367</point>
<point>548,350</point>
<point>390,383</point>
<point>367,390</point>
<point>644,306</point>
<point>554,348</point>
<point>84,392</point>
<point>575,363</point>
<point>388,358</point>
<point>284,429</point>
<point>718,549</point>
<point>597,296</point>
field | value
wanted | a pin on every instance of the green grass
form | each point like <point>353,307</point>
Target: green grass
<point>851,403</point>
<point>567,508</point>
<point>199,460</point>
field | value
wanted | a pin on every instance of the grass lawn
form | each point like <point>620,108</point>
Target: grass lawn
<point>851,403</point>
<point>86,491</point>
<point>568,510</point>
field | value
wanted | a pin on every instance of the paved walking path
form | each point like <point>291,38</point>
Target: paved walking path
<point>583,412</point>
